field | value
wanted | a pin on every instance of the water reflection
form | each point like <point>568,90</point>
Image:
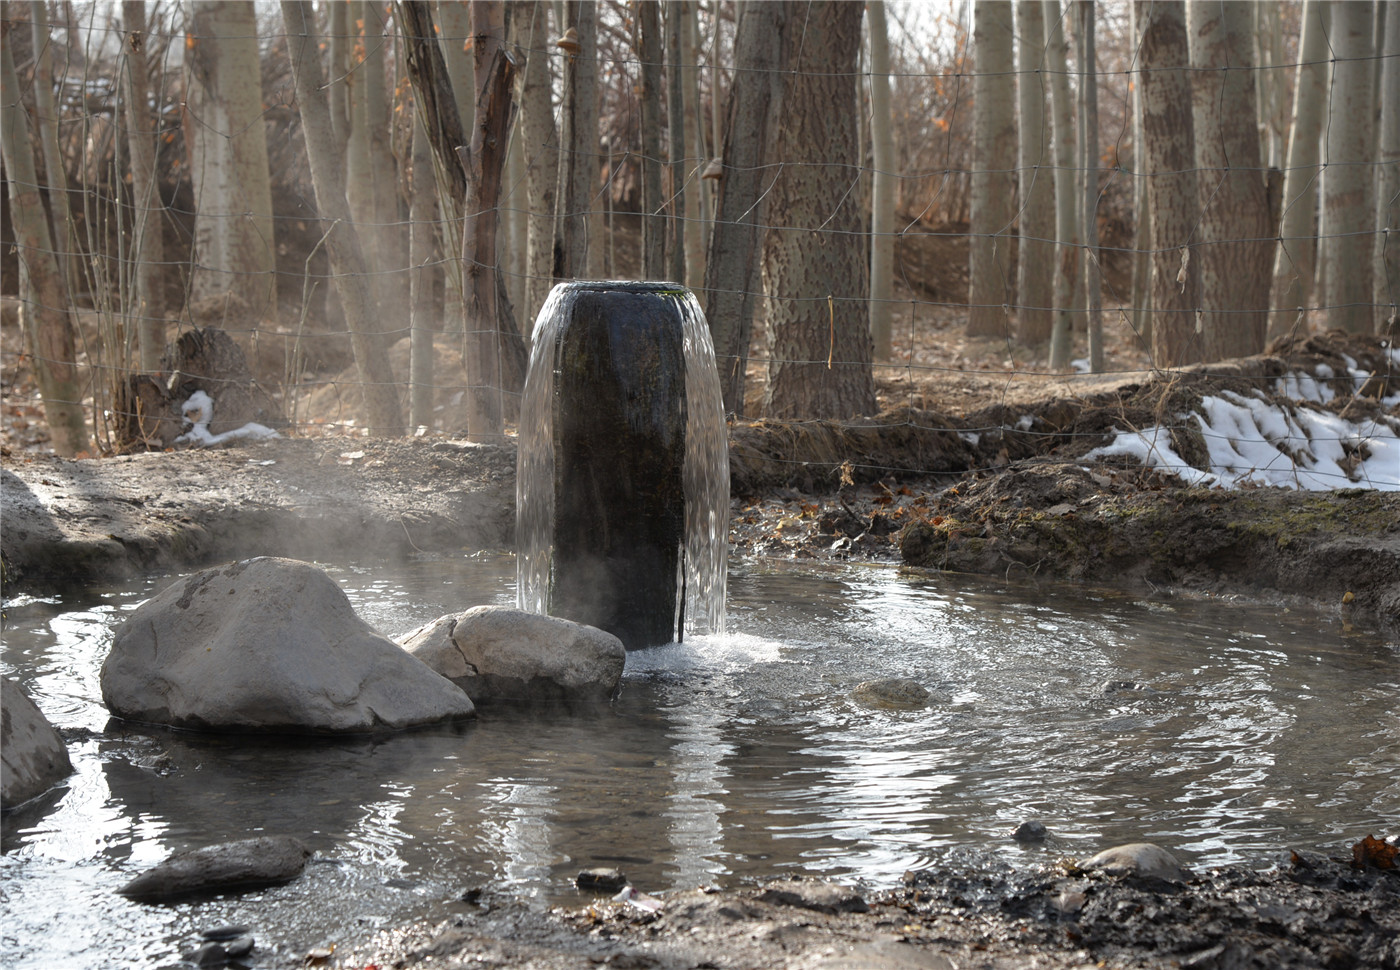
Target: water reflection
<point>1219,730</point>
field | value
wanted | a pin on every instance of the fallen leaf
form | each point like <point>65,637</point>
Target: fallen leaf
<point>1374,853</point>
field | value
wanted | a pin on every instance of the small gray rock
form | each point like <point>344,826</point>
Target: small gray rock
<point>233,866</point>
<point>1143,859</point>
<point>208,955</point>
<point>601,880</point>
<point>890,693</point>
<point>1029,831</point>
<point>221,933</point>
<point>239,946</point>
<point>816,895</point>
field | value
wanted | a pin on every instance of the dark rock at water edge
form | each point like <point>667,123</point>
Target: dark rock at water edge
<point>232,866</point>
<point>33,758</point>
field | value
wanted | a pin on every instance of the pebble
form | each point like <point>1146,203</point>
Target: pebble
<point>601,880</point>
<point>208,955</point>
<point>1029,831</point>
<point>219,933</point>
<point>240,946</point>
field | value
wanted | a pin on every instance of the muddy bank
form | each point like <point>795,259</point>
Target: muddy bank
<point>1305,911</point>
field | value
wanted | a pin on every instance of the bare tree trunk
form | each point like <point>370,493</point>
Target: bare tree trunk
<point>1169,160</point>
<point>342,244</point>
<point>993,169</point>
<point>486,370</point>
<point>649,52</point>
<point>46,117</point>
<point>422,252</point>
<point>540,142</point>
<point>578,160</point>
<point>1273,111</point>
<point>371,173</point>
<point>48,327</point>
<point>234,237</point>
<point>455,38</point>
<point>1035,265</point>
<point>146,243</point>
<point>819,362</point>
<point>1295,262</point>
<point>698,208</point>
<point>731,277</point>
<point>1066,198</point>
<point>1387,282</point>
<point>1089,164</point>
<point>882,185</point>
<point>1141,298</point>
<point>1349,189</point>
<point>338,47</point>
<point>1236,250</point>
<point>675,136</point>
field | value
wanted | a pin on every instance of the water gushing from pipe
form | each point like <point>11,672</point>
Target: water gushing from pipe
<point>622,437</point>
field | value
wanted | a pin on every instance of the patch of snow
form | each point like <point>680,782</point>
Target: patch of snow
<point>1080,366</point>
<point>1025,422</point>
<point>1253,442</point>
<point>971,437</point>
<point>199,411</point>
<point>1297,386</point>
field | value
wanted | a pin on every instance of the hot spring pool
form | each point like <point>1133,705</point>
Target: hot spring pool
<point>1225,732</point>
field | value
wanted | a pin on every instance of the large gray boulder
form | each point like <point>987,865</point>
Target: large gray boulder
<point>268,645</point>
<point>32,756</point>
<point>494,653</point>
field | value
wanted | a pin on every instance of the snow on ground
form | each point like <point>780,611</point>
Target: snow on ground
<point>1264,441</point>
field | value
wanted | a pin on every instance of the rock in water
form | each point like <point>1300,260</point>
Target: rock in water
<point>1145,859</point>
<point>32,756</point>
<point>268,645</point>
<point>233,866</point>
<point>890,693</point>
<point>495,653</point>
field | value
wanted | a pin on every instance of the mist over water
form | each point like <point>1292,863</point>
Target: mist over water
<point>1223,731</point>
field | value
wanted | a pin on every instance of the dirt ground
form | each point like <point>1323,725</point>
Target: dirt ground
<point>976,464</point>
<point>1306,911</point>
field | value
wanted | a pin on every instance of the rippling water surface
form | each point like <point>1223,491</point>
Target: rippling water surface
<point>1223,731</point>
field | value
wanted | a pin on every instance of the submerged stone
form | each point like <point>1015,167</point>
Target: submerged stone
<point>891,692</point>
<point>233,866</point>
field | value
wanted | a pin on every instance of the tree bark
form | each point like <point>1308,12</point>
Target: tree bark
<point>147,247</point>
<point>1035,266</point>
<point>882,184</point>
<point>46,117</point>
<point>234,235</point>
<point>484,354</point>
<point>675,147</point>
<point>649,52</point>
<point>1348,187</point>
<point>1089,171</point>
<point>1169,160</point>
<point>422,255</point>
<point>1387,282</point>
<point>342,243</point>
<point>1236,241</point>
<point>1066,199</point>
<point>540,142</point>
<point>698,207</point>
<point>48,326</point>
<point>1295,262</point>
<point>731,276</point>
<point>578,160</point>
<point>993,169</point>
<point>814,258</point>
<point>1141,310</point>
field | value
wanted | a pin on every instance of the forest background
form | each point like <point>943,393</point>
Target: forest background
<point>373,200</point>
